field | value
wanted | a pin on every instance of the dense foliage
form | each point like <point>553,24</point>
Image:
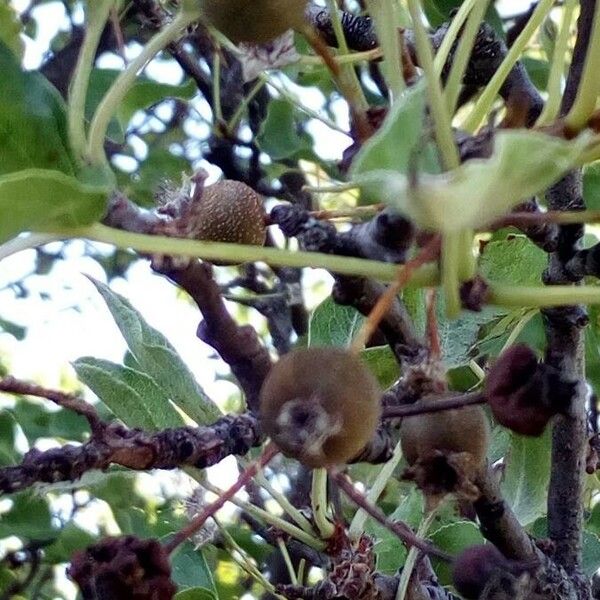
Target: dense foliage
<point>461,331</point>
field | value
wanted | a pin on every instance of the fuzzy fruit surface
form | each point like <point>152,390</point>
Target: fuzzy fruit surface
<point>344,393</point>
<point>458,430</point>
<point>254,21</point>
<point>230,211</point>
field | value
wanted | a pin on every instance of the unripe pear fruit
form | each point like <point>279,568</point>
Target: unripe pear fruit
<point>229,211</point>
<point>254,21</point>
<point>321,406</point>
<point>458,430</point>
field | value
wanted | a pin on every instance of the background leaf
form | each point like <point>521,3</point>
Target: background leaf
<point>132,396</point>
<point>158,359</point>
<point>38,199</point>
<point>30,105</point>
<point>332,324</point>
<point>526,476</point>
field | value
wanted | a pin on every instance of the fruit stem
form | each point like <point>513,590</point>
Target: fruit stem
<point>318,501</point>
<point>402,530</point>
<point>463,54</point>
<point>239,111</point>
<point>589,86</point>
<point>413,553</point>
<point>432,406</point>
<point>484,104</point>
<point>270,452</point>
<point>283,502</point>
<point>96,16</point>
<point>270,518</point>
<point>451,34</point>
<point>288,561</point>
<point>425,275</point>
<point>357,525</point>
<point>552,107</point>
<point>216,87</point>
<point>109,104</point>
<point>383,14</point>
<point>542,297</point>
<point>441,117</point>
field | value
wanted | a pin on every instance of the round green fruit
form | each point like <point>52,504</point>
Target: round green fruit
<point>321,406</point>
<point>254,21</point>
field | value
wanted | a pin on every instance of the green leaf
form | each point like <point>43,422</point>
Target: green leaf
<point>278,135</point>
<point>13,329</point>
<point>439,11</point>
<point>38,200</point>
<point>514,260</point>
<point>70,539</point>
<point>190,570</point>
<point>383,364</point>
<point>538,70</point>
<point>590,553</point>
<point>395,143</point>
<point>37,422</point>
<point>526,476</point>
<point>10,30</point>
<point>132,396</point>
<point>458,336</point>
<point>333,324</point>
<point>8,452</point>
<point>158,359</point>
<point>29,518</point>
<point>479,190</point>
<point>453,538</point>
<point>33,125</point>
<point>389,550</point>
<point>591,185</point>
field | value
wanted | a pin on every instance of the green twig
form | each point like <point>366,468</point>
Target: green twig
<point>484,104</point>
<point>552,107</point>
<point>96,17</point>
<point>318,500</point>
<point>357,525</point>
<point>383,14</point>
<point>589,86</point>
<point>109,104</point>
<point>463,54</point>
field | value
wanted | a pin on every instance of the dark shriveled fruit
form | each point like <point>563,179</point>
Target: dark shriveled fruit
<point>524,394</point>
<point>254,21</point>
<point>477,566</point>
<point>123,568</point>
<point>320,405</point>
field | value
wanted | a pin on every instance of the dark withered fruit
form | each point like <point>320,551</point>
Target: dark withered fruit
<point>320,405</point>
<point>475,567</point>
<point>524,394</point>
<point>123,568</point>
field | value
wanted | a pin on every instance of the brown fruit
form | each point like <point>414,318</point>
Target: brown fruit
<point>229,211</point>
<point>123,568</point>
<point>457,430</point>
<point>320,405</point>
<point>254,21</point>
<point>475,567</point>
<point>524,394</point>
